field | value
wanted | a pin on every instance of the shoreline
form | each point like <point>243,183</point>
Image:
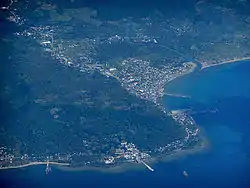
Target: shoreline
<point>225,62</point>
<point>194,68</point>
<point>127,166</point>
<point>34,164</point>
<point>136,166</point>
<point>188,71</point>
<point>201,147</point>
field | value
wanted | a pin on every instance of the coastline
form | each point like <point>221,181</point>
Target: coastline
<point>136,166</point>
<point>167,158</point>
<point>194,68</point>
<point>201,147</point>
<point>127,166</point>
<point>225,62</point>
<point>33,164</point>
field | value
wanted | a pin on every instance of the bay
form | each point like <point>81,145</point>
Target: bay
<point>225,163</point>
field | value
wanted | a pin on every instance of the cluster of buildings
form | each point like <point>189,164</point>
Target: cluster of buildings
<point>8,158</point>
<point>140,78</point>
<point>136,74</point>
<point>190,128</point>
<point>130,153</point>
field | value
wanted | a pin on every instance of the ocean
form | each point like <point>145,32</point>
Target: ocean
<point>220,103</point>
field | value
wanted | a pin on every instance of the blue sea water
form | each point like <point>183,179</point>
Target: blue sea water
<point>225,163</point>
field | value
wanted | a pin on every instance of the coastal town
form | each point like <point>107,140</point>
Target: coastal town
<point>126,153</point>
<point>145,81</point>
<point>140,59</point>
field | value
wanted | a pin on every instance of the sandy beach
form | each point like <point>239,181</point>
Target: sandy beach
<point>34,163</point>
<point>188,71</point>
<point>225,62</point>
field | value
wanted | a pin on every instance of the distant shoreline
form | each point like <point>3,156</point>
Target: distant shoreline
<point>33,164</point>
<point>225,62</point>
<point>192,69</point>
